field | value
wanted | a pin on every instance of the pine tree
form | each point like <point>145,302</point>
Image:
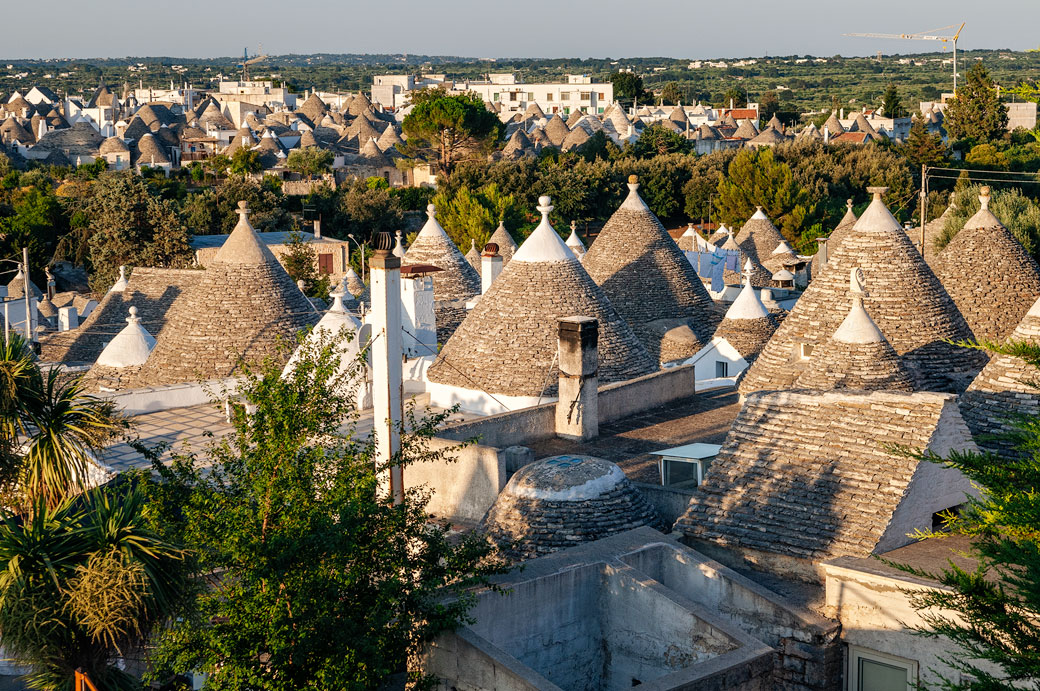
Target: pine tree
<point>976,113</point>
<point>922,147</point>
<point>756,178</point>
<point>991,612</point>
<point>892,105</point>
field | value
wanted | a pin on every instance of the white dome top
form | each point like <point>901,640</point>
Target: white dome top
<point>398,247</point>
<point>747,305</point>
<point>432,228</point>
<point>130,347</point>
<point>760,215</point>
<point>119,286</point>
<point>634,202</point>
<point>544,244</point>
<point>783,275</point>
<point>689,232</point>
<point>574,242</point>
<point>858,327</point>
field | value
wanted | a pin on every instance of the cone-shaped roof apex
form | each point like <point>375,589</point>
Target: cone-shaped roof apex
<point>633,202</point>
<point>858,327</point>
<point>544,244</point>
<point>243,246</point>
<point>130,347</point>
<point>747,305</point>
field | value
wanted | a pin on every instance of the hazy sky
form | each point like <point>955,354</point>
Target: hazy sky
<point>521,28</point>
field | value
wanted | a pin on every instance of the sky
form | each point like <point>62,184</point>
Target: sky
<point>517,28</point>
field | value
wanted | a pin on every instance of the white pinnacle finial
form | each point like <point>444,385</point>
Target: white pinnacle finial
<point>337,296</point>
<point>984,196</point>
<point>133,318</point>
<point>243,209</point>
<point>857,284</point>
<point>877,192</point>
<point>431,210</point>
<point>544,206</point>
<point>574,226</point>
<point>848,204</point>
<point>858,327</point>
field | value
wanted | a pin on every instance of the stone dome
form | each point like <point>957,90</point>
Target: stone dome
<point>562,501</point>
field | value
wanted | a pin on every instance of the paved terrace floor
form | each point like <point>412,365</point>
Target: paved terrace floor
<point>705,417</point>
<point>191,428</point>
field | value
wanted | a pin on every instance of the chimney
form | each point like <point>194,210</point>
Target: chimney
<point>386,354</point>
<point>50,283</point>
<point>826,135</point>
<point>317,228</point>
<point>68,318</point>
<point>841,113</point>
<point>490,266</point>
<point>577,409</point>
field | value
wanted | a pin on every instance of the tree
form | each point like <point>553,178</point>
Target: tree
<point>213,210</point>
<point>448,129</point>
<point>363,212</point>
<point>629,89</point>
<point>670,94</point>
<point>990,611</point>
<point>82,585</point>
<point>922,147</point>
<point>976,113</point>
<point>474,216</point>
<point>768,106</point>
<point>1019,213</point>
<point>734,95</point>
<point>656,140</point>
<point>317,580</point>
<point>754,179</point>
<point>130,227</point>
<point>891,104</point>
<point>301,263</point>
<point>310,162</point>
<point>245,161</point>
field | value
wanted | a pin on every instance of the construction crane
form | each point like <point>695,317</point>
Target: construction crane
<point>247,61</point>
<point>928,36</point>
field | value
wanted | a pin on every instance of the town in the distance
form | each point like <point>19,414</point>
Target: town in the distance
<point>394,372</point>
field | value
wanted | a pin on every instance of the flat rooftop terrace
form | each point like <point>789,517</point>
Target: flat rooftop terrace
<point>704,417</point>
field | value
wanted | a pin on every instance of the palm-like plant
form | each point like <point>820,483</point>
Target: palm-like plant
<point>81,585</point>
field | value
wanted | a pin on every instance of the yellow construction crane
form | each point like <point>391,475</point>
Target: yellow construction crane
<point>247,61</point>
<point>928,36</point>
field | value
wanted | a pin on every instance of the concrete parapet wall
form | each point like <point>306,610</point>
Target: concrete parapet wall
<point>669,502</point>
<point>515,428</point>
<point>642,393</point>
<point>152,399</point>
<point>465,484</point>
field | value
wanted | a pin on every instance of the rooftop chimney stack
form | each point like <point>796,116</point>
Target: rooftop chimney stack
<point>386,353</point>
<point>317,228</point>
<point>577,409</point>
<point>490,266</point>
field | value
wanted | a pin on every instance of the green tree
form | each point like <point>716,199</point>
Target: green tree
<point>629,89</point>
<point>656,140</point>
<point>212,210</point>
<point>324,582</point>
<point>245,161</point>
<point>474,216</point>
<point>989,611</point>
<point>734,95</point>
<point>976,114</point>
<point>362,212</point>
<point>301,263</point>
<point>37,220</point>
<point>986,156</point>
<point>129,226</point>
<point>1019,213</point>
<point>923,148</point>
<point>756,178</point>
<point>891,104</point>
<point>448,129</point>
<point>309,162</point>
<point>768,106</point>
<point>670,94</point>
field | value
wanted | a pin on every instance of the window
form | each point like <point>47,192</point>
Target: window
<point>512,95</point>
<point>721,369</point>
<point>565,95</point>
<point>602,96</point>
<point>585,95</point>
<point>530,95</point>
<point>873,671</point>
<point>805,351</point>
<point>548,97</point>
<point>494,96</point>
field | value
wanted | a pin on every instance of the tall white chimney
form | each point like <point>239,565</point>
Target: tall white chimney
<point>490,266</point>
<point>386,352</point>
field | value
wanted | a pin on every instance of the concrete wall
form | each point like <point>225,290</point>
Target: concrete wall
<point>149,400</point>
<point>464,661</point>
<point>669,502</point>
<point>647,635</point>
<point>875,613</point>
<point>627,398</point>
<point>464,484</point>
<point>550,625</point>
<point>514,428</point>
<point>808,652</point>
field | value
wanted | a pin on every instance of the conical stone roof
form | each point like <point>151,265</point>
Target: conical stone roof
<point>314,108</point>
<point>508,342</point>
<point>389,139</point>
<point>1003,390</point>
<point>906,301</point>
<point>745,130</point>
<point>353,282</point>
<point>843,228</point>
<point>242,309</point>
<point>473,256</point>
<point>650,282</point>
<point>457,280</point>
<point>517,144</point>
<point>748,325</point>
<point>857,356</point>
<point>556,129</point>
<point>16,287</point>
<point>989,275</point>
<point>506,244</point>
<point>757,240</point>
<point>833,126</point>
<point>575,243</point>
<point>575,138</point>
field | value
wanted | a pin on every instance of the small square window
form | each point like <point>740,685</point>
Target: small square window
<point>805,351</point>
<point>873,671</point>
<point>721,369</point>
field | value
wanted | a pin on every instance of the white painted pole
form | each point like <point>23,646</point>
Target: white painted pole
<point>386,352</point>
